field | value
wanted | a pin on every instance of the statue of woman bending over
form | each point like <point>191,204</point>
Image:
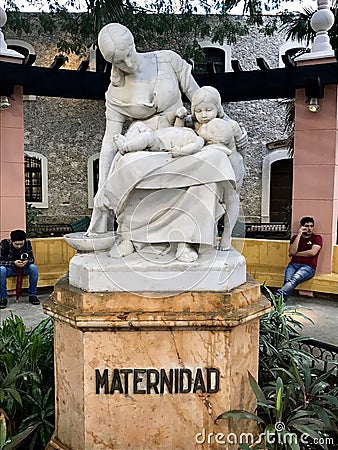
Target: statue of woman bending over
<point>160,199</point>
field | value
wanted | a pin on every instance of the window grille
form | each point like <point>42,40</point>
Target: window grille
<point>33,179</point>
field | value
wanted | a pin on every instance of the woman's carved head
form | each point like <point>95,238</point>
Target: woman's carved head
<point>114,38</point>
<point>116,44</point>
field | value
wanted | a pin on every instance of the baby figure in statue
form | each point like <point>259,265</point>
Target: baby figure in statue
<point>177,140</point>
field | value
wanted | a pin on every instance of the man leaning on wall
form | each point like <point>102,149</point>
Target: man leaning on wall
<point>16,253</point>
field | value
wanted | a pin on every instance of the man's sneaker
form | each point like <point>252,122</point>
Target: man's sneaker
<point>34,300</point>
<point>3,303</point>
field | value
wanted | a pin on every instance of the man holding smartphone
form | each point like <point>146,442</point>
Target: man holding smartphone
<point>304,250</point>
<point>17,253</point>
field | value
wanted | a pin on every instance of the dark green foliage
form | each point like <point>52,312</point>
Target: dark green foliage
<point>288,104</point>
<point>31,221</point>
<point>298,26</point>
<point>280,338</point>
<point>293,400</point>
<point>187,22</point>
<point>27,379</point>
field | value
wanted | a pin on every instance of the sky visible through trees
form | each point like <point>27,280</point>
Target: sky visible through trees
<point>80,5</point>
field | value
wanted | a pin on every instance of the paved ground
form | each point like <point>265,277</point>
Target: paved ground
<point>31,314</point>
<point>324,314</point>
<point>322,311</point>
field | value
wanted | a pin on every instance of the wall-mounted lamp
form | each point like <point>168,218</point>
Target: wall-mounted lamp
<point>4,102</point>
<point>314,90</point>
<point>313,105</point>
<point>6,91</point>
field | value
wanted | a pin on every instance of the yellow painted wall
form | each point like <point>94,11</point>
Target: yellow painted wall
<point>52,256</point>
<point>266,261</point>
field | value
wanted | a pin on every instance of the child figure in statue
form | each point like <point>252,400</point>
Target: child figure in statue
<point>206,105</point>
<point>211,123</point>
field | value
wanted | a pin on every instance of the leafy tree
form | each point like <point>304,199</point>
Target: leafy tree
<point>183,19</point>
<point>298,26</point>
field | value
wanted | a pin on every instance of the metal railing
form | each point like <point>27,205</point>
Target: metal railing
<point>51,229</point>
<point>59,229</point>
<point>326,355</point>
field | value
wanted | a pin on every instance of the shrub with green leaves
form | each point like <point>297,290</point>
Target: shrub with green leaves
<point>27,380</point>
<point>296,408</point>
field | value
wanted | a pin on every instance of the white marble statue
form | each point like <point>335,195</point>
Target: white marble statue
<point>162,199</point>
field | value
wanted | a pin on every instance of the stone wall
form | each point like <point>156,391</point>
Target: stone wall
<point>264,120</point>
<point>68,132</point>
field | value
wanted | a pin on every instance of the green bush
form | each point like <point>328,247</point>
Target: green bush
<point>27,380</point>
<point>296,407</point>
<point>32,227</point>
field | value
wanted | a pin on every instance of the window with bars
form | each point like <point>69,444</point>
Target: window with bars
<point>33,179</point>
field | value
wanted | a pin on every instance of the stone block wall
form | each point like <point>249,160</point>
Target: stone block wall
<point>69,131</point>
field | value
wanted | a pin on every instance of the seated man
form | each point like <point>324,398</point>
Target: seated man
<point>304,250</point>
<point>15,253</point>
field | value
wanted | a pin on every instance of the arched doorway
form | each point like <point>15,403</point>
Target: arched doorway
<point>281,190</point>
<point>280,182</point>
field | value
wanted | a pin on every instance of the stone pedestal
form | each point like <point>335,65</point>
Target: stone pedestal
<point>150,372</point>
<point>157,273</point>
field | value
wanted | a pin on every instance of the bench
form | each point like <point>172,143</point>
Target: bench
<point>267,259</point>
<point>52,256</point>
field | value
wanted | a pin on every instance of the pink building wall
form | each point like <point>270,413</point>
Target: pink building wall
<point>315,179</point>
<point>12,176</point>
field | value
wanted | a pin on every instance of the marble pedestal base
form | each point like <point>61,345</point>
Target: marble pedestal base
<point>139,272</point>
<point>144,372</point>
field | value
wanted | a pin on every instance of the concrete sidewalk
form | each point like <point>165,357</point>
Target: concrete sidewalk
<point>322,311</point>
<point>32,315</point>
<point>324,314</point>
